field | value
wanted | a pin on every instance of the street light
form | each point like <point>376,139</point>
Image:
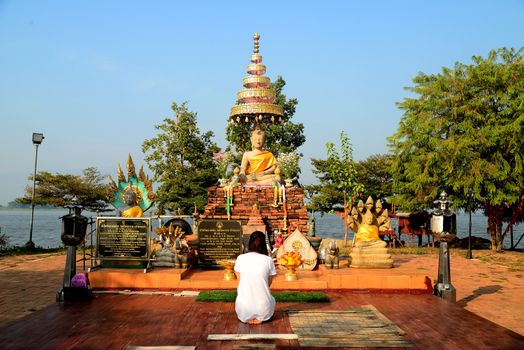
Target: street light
<point>469,255</point>
<point>37,140</point>
<point>444,228</point>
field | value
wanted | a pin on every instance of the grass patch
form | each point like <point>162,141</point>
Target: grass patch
<point>414,250</point>
<point>216,295</point>
<point>23,250</point>
<point>501,279</point>
<point>229,296</point>
<point>308,297</point>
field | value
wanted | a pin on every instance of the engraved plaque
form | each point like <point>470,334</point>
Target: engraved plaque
<point>219,240</point>
<point>123,238</point>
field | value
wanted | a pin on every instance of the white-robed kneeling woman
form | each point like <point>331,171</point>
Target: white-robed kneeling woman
<point>254,303</point>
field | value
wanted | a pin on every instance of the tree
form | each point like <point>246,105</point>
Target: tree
<point>324,196</point>
<point>181,159</point>
<point>464,131</point>
<point>279,138</point>
<point>17,205</point>
<point>56,189</point>
<point>375,176</point>
<point>338,179</point>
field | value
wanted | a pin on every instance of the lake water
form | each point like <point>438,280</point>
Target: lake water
<point>47,226</point>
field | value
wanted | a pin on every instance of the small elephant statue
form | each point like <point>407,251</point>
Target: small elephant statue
<point>331,255</point>
<point>181,253</point>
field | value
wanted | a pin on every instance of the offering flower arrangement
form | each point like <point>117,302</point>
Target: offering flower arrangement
<point>289,164</point>
<point>290,259</point>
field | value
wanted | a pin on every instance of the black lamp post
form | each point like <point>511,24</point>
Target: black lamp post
<point>37,140</point>
<point>469,255</point>
<point>74,231</point>
<point>444,227</point>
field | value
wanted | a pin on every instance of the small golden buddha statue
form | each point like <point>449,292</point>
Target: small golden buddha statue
<point>367,230</point>
<point>131,210</point>
<point>367,220</point>
<point>258,166</point>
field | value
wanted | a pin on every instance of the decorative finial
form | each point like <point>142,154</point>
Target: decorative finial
<point>256,102</point>
<point>130,166</point>
<point>256,37</point>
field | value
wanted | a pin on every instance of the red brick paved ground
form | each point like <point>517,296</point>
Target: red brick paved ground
<point>484,286</point>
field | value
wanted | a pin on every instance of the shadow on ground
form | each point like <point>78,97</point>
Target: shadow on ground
<point>478,292</point>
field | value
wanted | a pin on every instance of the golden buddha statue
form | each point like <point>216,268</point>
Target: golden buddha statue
<point>367,220</point>
<point>258,166</point>
<point>369,251</point>
<point>133,210</point>
<point>367,230</point>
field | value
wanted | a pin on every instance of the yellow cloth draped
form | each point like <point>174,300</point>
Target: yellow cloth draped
<point>367,233</point>
<point>260,162</point>
<point>134,212</point>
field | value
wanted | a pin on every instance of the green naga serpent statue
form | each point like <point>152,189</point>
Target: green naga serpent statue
<point>134,195</point>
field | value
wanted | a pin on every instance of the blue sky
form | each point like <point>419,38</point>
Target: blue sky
<point>96,76</point>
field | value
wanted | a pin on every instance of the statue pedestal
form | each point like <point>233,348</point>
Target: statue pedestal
<point>371,255</point>
<point>245,197</point>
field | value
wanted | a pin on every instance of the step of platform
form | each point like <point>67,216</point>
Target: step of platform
<point>163,278</point>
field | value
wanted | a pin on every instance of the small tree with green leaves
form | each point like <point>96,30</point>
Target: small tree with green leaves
<point>375,175</point>
<point>338,180</point>
<point>181,159</point>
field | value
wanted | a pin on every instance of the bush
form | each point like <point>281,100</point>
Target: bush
<point>4,241</point>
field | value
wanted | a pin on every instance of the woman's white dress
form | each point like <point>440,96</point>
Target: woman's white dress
<point>254,299</point>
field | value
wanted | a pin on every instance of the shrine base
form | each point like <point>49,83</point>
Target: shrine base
<point>387,280</point>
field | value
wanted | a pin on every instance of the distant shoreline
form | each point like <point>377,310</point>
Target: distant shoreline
<point>36,208</point>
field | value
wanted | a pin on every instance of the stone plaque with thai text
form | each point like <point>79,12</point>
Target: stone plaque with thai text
<point>219,240</point>
<point>122,238</point>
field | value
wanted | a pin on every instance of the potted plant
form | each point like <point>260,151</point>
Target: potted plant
<point>289,166</point>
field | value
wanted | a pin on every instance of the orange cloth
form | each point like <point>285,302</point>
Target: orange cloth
<point>367,233</point>
<point>260,162</point>
<point>134,212</point>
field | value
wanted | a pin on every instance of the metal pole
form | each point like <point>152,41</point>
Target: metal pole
<point>469,255</point>
<point>30,244</point>
<point>443,288</point>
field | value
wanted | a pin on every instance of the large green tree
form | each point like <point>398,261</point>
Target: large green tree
<point>181,159</point>
<point>286,137</point>
<point>463,131</point>
<point>90,189</point>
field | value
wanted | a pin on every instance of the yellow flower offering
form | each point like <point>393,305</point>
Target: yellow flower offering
<point>290,258</point>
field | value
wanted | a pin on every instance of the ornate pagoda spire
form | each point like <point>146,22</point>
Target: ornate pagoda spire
<point>256,103</point>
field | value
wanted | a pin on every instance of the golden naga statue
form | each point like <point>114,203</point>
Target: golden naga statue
<point>258,166</point>
<point>133,195</point>
<point>367,221</point>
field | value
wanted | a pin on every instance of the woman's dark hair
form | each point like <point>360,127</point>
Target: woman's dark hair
<point>257,243</point>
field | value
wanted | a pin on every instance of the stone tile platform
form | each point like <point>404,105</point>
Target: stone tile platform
<point>376,280</point>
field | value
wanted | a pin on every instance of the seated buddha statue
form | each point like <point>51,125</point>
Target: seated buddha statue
<point>258,166</point>
<point>367,230</point>
<point>131,210</point>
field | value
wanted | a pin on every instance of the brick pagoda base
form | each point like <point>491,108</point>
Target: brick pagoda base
<point>245,197</point>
